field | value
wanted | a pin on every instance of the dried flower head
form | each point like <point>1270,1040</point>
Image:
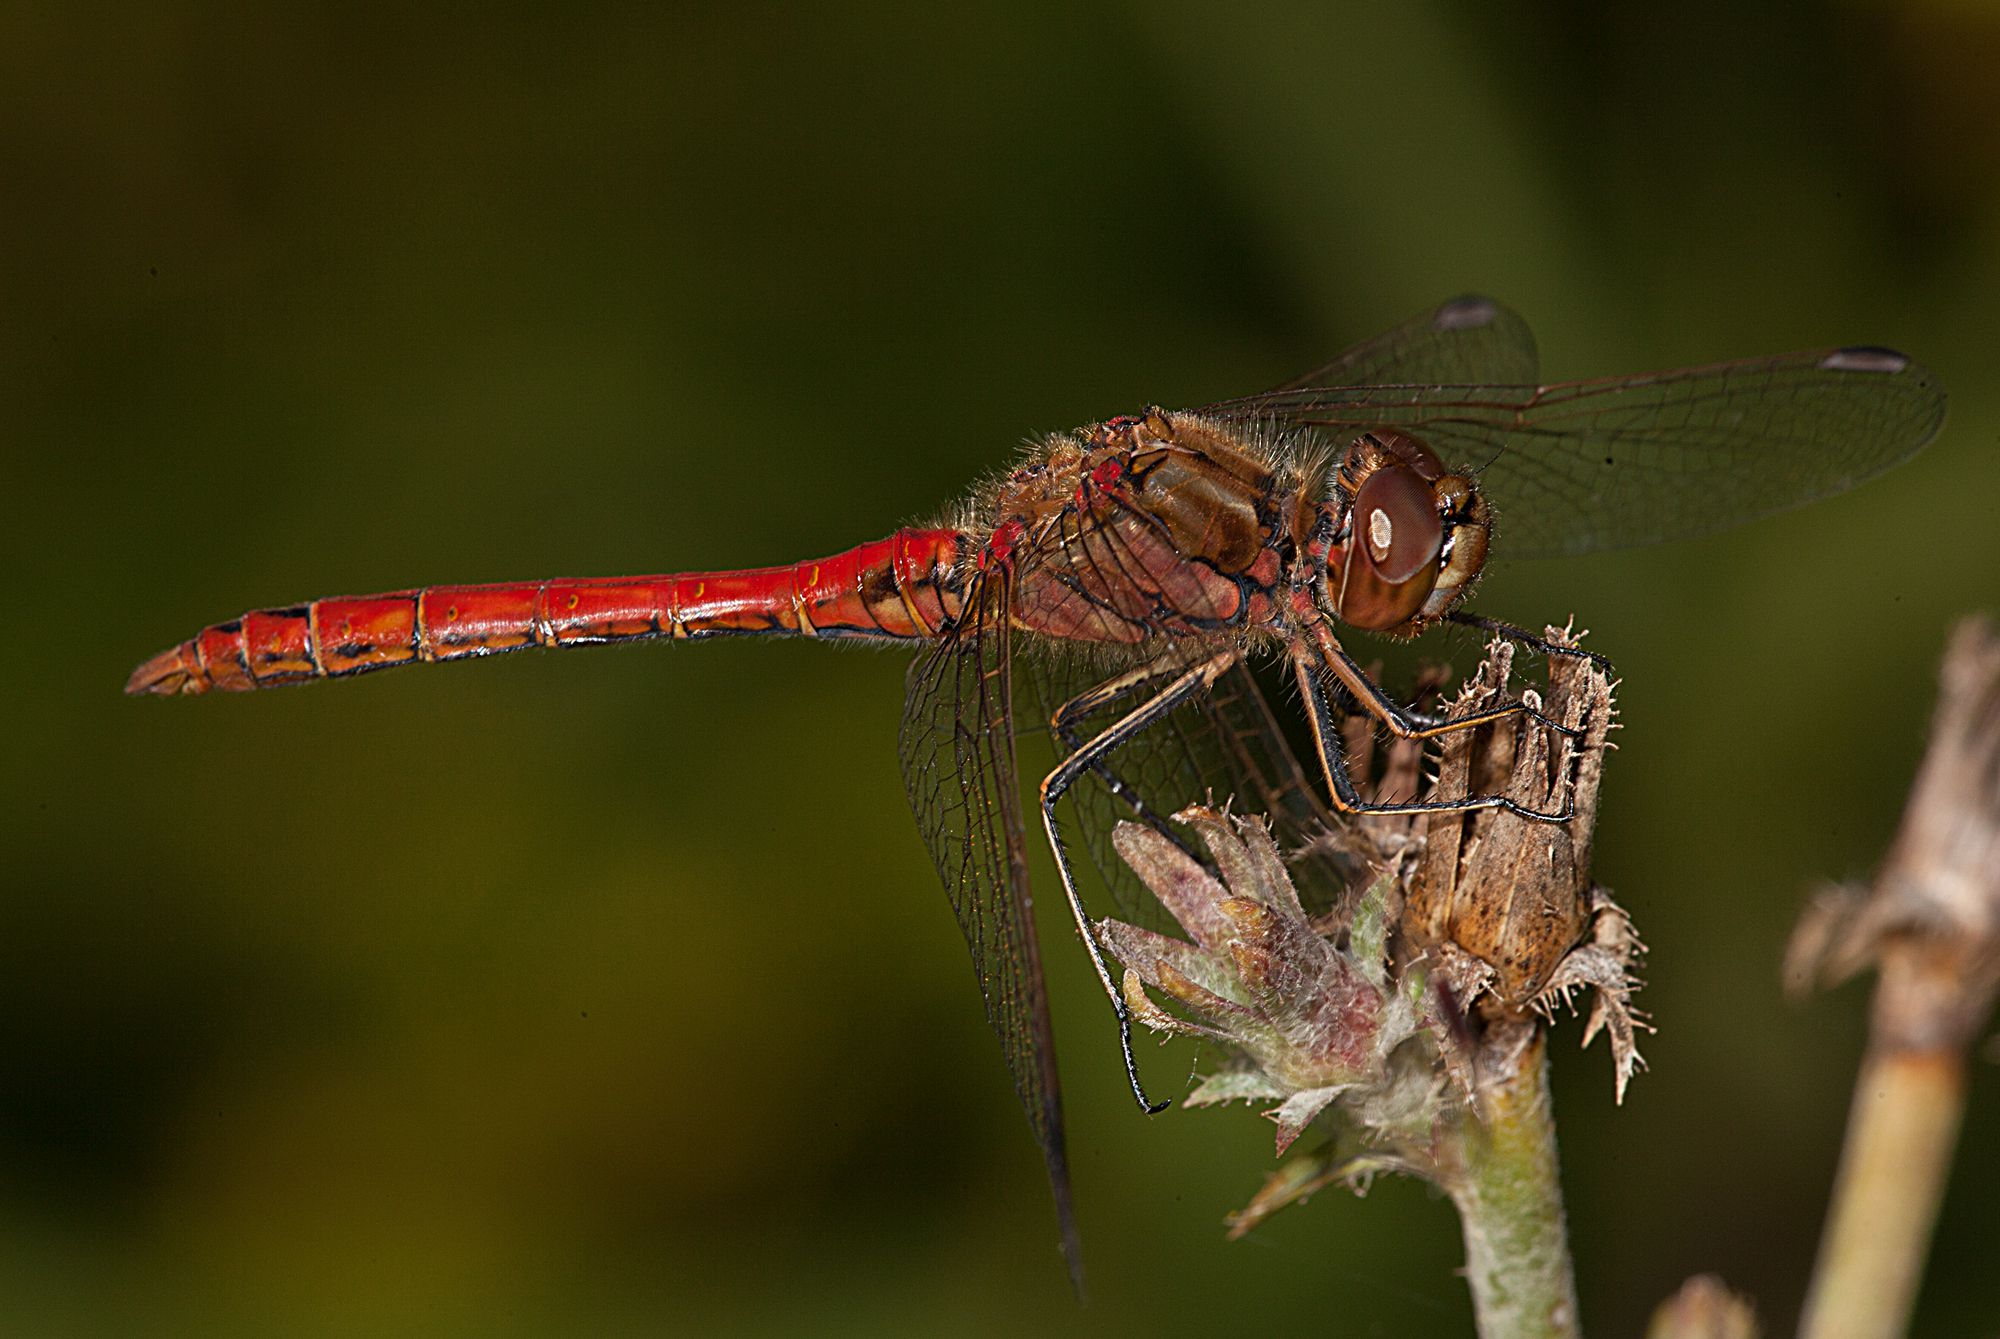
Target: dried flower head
<point>1934,910</point>
<point>1302,1018</point>
<point>1383,1021</point>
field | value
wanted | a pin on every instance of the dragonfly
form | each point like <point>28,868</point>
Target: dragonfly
<point>1146,564</point>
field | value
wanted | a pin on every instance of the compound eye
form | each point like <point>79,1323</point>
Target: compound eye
<point>1396,539</point>
<point>1397,525</point>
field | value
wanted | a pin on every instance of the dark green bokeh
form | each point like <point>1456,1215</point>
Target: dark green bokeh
<point>612,993</point>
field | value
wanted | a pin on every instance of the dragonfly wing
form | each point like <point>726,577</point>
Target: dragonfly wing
<point>1267,779</point>
<point>1586,465</point>
<point>1632,460</point>
<point>1467,341</point>
<point>957,750</point>
<point>1225,746</point>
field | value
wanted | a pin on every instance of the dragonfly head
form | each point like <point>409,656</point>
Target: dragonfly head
<point>1411,535</point>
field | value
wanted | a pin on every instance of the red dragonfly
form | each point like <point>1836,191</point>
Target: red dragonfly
<point>1156,556</point>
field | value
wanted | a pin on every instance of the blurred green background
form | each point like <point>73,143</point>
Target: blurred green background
<point>612,993</point>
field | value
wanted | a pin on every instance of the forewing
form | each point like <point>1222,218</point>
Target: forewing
<point>1586,465</point>
<point>1632,460</point>
<point>957,750</point>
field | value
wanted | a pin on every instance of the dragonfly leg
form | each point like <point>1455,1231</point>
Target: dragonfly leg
<point>1067,724</point>
<point>1114,689</point>
<point>1184,685</point>
<point>1333,753</point>
<point>1522,637</point>
<point>1406,723</point>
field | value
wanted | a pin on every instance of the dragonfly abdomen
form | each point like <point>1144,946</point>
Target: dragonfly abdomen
<point>899,588</point>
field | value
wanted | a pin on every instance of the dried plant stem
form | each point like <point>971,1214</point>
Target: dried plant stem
<point>1900,1137</point>
<point>1509,1198</point>
<point>1930,927</point>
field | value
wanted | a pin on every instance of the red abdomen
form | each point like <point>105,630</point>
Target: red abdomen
<point>900,588</point>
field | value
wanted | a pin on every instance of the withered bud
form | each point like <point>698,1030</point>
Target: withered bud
<point>1504,905</point>
<point>1438,971</point>
<point>1704,1308</point>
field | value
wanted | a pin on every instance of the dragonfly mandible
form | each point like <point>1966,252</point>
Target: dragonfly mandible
<point>1153,558</point>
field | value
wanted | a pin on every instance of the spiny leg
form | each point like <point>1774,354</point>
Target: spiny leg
<point>1333,754</point>
<point>1184,686</point>
<point>1405,723</point>
<point>1066,724</point>
<point>1522,637</point>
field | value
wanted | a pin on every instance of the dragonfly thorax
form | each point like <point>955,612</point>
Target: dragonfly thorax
<point>1407,538</point>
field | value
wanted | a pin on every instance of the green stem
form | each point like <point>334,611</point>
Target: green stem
<point>1509,1198</point>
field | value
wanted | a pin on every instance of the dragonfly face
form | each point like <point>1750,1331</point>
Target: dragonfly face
<point>1408,537</point>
